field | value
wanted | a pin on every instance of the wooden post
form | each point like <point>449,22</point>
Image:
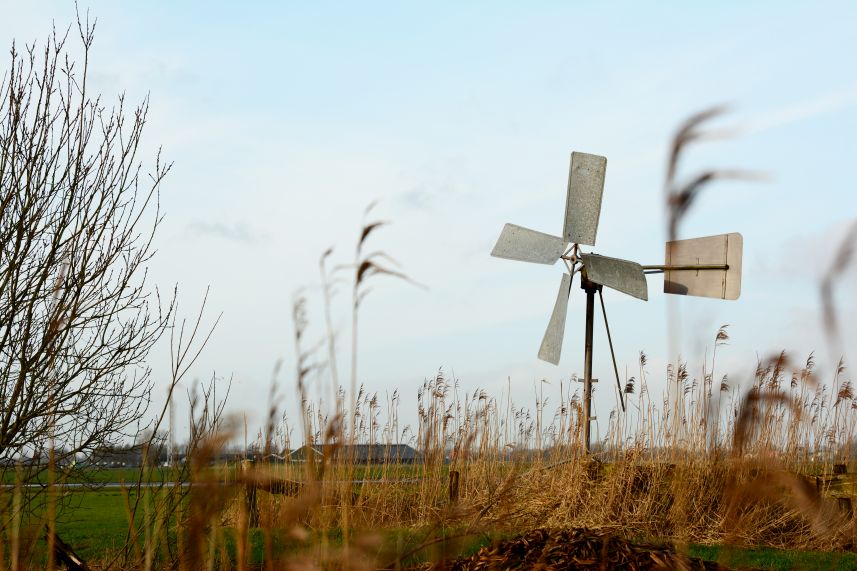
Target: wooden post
<point>846,508</point>
<point>65,555</point>
<point>250,503</point>
<point>454,478</point>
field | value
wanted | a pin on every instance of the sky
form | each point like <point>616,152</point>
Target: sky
<point>284,120</point>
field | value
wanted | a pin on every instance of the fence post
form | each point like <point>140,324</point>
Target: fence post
<point>454,478</point>
<point>250,503</point>
<point>846,508</point>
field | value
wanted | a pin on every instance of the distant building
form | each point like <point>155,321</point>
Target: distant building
<point>118,457</point>
<point>361,453</point>
<point>130,456</point>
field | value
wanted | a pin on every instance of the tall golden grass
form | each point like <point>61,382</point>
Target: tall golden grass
<point>748,468</point>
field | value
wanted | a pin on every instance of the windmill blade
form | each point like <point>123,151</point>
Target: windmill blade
<point>583,202</point>
<point>621,275</point>
<point>552,341</point>
<point>525,245</point>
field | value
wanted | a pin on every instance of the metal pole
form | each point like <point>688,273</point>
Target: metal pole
<point>590,289</point>
<point>666,268</point>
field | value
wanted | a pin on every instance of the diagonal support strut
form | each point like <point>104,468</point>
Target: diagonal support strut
<point>612,354</point>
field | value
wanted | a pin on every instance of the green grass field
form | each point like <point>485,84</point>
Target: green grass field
<point>775,558</point>
<point>95,523</point>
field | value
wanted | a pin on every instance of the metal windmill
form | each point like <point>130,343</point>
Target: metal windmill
<point>707,267</point>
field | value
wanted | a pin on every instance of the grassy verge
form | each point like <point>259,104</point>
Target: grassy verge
<point>97,523</point>
<point>778,559</point>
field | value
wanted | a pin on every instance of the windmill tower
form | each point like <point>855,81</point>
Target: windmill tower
<point>706,267</point>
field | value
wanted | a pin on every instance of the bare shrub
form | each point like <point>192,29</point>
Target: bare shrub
<point>77,222</point>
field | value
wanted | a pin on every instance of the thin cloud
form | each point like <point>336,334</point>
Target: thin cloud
<point>239,232</point>
<point>432,183</point>
<point>815,250</point>
<point>828,103</point>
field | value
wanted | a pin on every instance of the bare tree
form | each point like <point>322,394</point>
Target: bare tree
<point>77,221</point>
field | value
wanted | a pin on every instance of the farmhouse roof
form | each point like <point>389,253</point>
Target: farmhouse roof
<point>361,452</point>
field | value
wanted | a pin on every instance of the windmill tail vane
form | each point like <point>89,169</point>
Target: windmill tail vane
<point>708,267</point>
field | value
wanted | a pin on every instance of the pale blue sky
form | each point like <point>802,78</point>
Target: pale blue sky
<point>285,119</point>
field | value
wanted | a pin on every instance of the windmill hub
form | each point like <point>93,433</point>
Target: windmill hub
<point>587,285</point>
<point>708,267</point>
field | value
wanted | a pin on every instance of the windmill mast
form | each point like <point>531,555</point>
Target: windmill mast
<point>590,288</point>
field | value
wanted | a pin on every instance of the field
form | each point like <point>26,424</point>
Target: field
<point>98,525</point>
<point>757,498</point>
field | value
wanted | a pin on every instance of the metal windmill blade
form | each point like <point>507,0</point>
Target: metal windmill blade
<point>525,245</point>
<point>621,275</point>
<point>551,346</point>
<point>583,201</point>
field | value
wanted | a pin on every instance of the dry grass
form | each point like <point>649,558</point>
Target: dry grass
<point>746,476</point>
<point>741,469</point>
